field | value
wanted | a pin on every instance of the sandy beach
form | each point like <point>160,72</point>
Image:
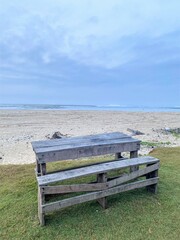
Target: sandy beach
<point>18,128</point>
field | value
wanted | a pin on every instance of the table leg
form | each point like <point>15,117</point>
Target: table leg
<point>41,201</point>
<point>152,188</point>
<point>38,168</point>
<point>43,168</point>
<point>101,178</point>
<point>134,154</point>
<point>118,156</point>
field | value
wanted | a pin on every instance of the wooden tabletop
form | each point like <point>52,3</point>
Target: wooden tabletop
<point>85,146</point>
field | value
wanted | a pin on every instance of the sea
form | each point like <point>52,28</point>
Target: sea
<point>89,107</point>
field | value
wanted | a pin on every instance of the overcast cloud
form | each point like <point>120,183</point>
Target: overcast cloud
<point>86,44</point>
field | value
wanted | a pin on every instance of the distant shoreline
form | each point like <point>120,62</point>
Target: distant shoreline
<point>87,107</point>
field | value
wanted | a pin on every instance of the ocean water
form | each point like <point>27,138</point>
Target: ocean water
<point>88,107</point>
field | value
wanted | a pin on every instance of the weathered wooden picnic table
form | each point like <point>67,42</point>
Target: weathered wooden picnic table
<point>85,146</point>
<point>50,184</point>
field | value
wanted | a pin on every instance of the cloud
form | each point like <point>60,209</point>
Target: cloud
<point>106,35</point>
<point>89,51</point>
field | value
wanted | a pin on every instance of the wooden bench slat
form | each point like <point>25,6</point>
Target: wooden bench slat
<point>74,188</point>
<point>84,165</point>
<point>94,169</point>
<point>90,138</point>
<point>88,187</point>
<point>96,195</point>
<point>133,175</point>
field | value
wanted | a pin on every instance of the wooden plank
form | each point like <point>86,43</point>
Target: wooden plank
<point>53,142</point>
<point>118,156</point>
<point>85,165</point>
<point>95,169</point>
<point>102,178</point>
<point>152,188</point>
<point>41,201</point>
<point>134,154</point>
<point>74,188</point>
<point>132,175</point>
<point>38,168</point>
<point>76,142</point>
<point>88,151</point>
<point>43,168</point>
<point>96,195</point>
<point>81,144</point>
<point>89,138</point>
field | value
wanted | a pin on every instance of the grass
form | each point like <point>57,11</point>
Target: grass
<point>132,215</point>
<point>176,135</point>
<point>155,144</point>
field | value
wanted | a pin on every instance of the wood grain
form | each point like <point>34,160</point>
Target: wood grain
<point>87,146</point>
<point>74,188</point>
<point>95,169</point>
<point>96,195</point>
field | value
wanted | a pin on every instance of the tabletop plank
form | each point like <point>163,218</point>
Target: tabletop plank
<point>87,138</point>
<point>85,146</point>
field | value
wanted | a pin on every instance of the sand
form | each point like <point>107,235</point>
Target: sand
<point>19,127</point>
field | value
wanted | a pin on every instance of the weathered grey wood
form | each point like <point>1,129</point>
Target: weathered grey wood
<point>74,188</point>
<point>95,169</point>
<point>133,175</point>
<point>43,168</point>
<point>102,178</point>
<point>56,155</point>
<point>75,140</point>
<point>85,165</point>
<point>82,144</point>
<point>134,154</point>
<point>41,201</point>
<point>118,156</point>
<point>88,146</point>
<point>96,195</point>
<point>38,168</point>
<point>93,145</point>
<point>152,174</point>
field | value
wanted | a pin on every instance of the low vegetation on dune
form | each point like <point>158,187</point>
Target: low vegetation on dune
<point>131,215</point>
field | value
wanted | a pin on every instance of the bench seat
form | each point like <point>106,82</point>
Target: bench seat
<point>99,190</point>
<point>94,169</point>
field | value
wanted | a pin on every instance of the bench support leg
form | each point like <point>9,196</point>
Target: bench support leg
<point>134,154</point>
<point>41,201</point>
<point>101,178</point>
<point>43,169</point>
<point>38,168</point>
<point>152,188</point>
<point>118,156</point>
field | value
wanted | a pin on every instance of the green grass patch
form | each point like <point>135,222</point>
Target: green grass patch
<point>155,144</point>
<point>176,135</point>
<point>131,215</point>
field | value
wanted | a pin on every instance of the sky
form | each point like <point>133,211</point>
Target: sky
<point>90,52</point>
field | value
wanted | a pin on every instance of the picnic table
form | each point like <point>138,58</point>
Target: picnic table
<point>50,184</point>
